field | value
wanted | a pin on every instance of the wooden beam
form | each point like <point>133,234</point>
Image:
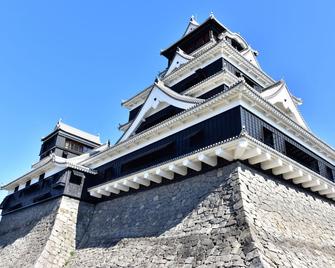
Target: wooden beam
<point>103,192</point>
<point>121,187</point>
<point>312,183</point>
<point>209,160</point>
<point>153,177</point>
<point>95,194</point>
<point>322,186</point>
<point>260,158</point>
<point>112,190</point>
<point>131,184</point>
<point>328,191</point>
<point>294,174</point>
<point>141,181</point>
<point>192,165</point>
<point>271,164</point>
<point>331,195</point>
<point>178,169</point>
<point>224,154</point>
<point>240,149</point>
<point>166,174</point>
<point>282,169</point>
<point>302,179</point>
<point>251,153</point>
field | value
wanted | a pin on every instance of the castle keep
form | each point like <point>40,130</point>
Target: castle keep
<point>216,167</point>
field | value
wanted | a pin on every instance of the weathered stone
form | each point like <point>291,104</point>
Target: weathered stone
<point>231,217</point>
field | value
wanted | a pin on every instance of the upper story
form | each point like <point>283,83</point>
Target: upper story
<point>66,141</point>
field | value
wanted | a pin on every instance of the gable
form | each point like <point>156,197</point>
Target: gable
<point>192,25</point>
<point>279,96</point>
<point>179,59</point>
<point>160,97</point>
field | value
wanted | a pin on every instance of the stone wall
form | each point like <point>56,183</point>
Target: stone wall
<point>23,234</point>
<point>292,227</point>
<point>195,222</point>
<point>40,236</point>
<point>230,217</point>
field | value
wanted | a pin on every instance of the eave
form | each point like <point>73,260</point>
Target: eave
<point>211,20</point>
<point>239,95</point>
<point>244,148</point>
<point>222,48</point>
<point>48,164</point>
<point>222,77</point>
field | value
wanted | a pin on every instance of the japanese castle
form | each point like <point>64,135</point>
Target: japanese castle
<point>212,105</point>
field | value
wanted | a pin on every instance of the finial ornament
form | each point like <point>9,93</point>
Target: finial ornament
<point>59,122</point>
<point>243,132</point>
<point>211,15</point>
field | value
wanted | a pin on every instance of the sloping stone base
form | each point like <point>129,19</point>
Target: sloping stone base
<point>230,217</point>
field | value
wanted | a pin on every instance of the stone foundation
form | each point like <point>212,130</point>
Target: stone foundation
<point>230,217</point>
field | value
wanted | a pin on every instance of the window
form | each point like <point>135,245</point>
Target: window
<point>196,138</point>
<point>329,173</point>
<point>41,177</point>
<point>301,157</point>
<point>65,154</point>
<point>149,158</point>
<point>268,137</point>
<point>28,183</point>
<point>75,146</point>
<point>108,173</point>
<point>75,179</point>
<point>16,189</point>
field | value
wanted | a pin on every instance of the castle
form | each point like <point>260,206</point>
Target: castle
<point>216,167</point>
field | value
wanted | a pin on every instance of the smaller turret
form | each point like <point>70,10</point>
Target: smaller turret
<point>66,141</point>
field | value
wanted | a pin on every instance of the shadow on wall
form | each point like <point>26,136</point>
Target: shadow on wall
<point>151,213</point>
<point>32,225</point>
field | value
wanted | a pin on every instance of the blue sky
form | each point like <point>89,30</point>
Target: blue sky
<point>77,60</point>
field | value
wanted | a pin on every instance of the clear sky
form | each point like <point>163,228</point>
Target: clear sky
<point>77,60</point>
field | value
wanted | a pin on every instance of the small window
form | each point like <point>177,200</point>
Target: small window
<point>41,177</point>
<point>196,138</point>
<point>75,179</point>
<point>65,154</point>
<point>74,146</point>
<point>108,173</point>
<point>16,189</point>
<point>268,137</point>
<point>28,183</point>
<point>329,173</point>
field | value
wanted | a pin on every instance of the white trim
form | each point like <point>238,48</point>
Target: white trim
<point>241,95</point>
<point>222,77</point>
<point>179,59</point>
<point>243,148</point>
<point>279,96</point>
<point>192,25</point>
<point>224,50</point>
<point>158,96</point>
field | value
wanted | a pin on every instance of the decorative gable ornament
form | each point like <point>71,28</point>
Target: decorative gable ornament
<point>193,24</point>
<point>279,95</point>
<point>179,59</point>
<point>159,98</point>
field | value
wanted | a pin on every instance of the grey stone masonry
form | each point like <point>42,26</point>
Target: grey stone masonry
<point>234,216</point>
<point>40,236</point>
<point>23,234</point>
<point>291,227</point>
<point>197,222</point>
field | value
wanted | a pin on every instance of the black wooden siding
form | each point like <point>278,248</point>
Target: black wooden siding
<point>213,130</point>
<point>254,125</point>
<point>200,75</point>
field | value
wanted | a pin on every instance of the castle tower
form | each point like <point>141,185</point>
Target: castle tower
<point>214,155</point>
